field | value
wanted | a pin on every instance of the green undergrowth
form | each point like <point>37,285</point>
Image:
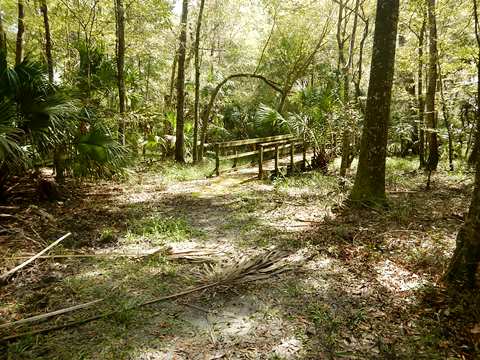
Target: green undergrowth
<point>159,229</point>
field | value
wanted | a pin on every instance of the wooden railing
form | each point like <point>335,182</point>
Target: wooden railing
<point>262,146</point>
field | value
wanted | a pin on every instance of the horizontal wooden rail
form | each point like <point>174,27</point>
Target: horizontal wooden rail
<point>234,143</point>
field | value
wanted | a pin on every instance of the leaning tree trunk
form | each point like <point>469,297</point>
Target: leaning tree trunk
<point>48,39</point>
<point>431,116</point>
<point>208,109</point>
<point>180,136</point>
<point>197,81</point>
<point>20,33</point>
<point>369,186</point>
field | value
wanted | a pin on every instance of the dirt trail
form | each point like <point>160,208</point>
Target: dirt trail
<point>357,297</point>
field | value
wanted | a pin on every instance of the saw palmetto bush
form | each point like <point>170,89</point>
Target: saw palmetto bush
<point>38,121</point>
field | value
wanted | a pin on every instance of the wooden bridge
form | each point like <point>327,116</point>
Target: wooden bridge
<point>258,148</point>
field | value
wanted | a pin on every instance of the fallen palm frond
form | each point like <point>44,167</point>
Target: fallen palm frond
<point>247,269</point>
<point>9,273</point>
<point>50,314</point>
<point>259,267</point>
<point>194,255</point>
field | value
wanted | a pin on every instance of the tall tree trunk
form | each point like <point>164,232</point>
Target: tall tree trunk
<point>446,118</point>
<point>369,183</point>
<point>48,39</point>
<point>476,147</point>
<point>120,54</point>
<point>3,36</point>
<point>420,98</point>
<point>346,65</point>
<point>20,32</point>
<point>197,81</point>
<point>431,116</point>
<point>180,136</point>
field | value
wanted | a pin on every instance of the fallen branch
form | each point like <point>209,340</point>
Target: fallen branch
<point>50,314</point>
<point>9,273</point>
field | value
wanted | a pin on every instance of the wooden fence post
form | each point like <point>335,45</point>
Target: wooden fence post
<point>276,160</point>
<point>292,153</point>
<point>304,154</point>
<point>260,161</point>
<point>217,159</point>
<point>236,159</point>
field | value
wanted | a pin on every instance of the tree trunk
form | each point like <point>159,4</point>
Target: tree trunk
<point>346,65</point>
<point>369,186</point>
<point>3,36</point>
<point>446,118</point>
<point>120,22</point>
<point>20,33</point>
<point>464,264</point>
<point>420,98</point>
<point>197,81</point>
<point>476,147</point>
<point>48,39</point>
<point>431,116</point>
<point>180,136</point>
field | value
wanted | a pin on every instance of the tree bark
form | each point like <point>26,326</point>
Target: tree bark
<point>120,55</point>
<point>420,98</point>
<point>180,136</point>
<point>476,147</point>
<point>3,37</point>
<point>369,186</point>
<point>20,33</point>
<point>48,39</point>
<point>446,118</point>
<point>345,67</point>
<point>431,115</point>
<point>465,262</point>
<point>197,81</point>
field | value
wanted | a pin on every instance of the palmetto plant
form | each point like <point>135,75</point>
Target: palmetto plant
<point>38,120</point>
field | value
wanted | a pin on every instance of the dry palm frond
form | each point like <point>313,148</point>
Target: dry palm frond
<point>259,267</point>
<point>256,268</point>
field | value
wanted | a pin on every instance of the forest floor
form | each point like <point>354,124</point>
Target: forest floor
<point>370,286</point>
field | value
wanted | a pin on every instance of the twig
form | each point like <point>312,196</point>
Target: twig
<point>6,275</point>
<point>50,314</point>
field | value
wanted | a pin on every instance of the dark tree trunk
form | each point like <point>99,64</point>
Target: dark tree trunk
<point>197,81</point>
<point>431,115</point>
<point>120,22</point>
<point>420,98</point>
<point>369,183</point>
<point>48,39</point>
<point>180,136</point>
<point>463,267</point>
<point>20,33</point>
<point>3,37</point>
<point>476,147</point>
